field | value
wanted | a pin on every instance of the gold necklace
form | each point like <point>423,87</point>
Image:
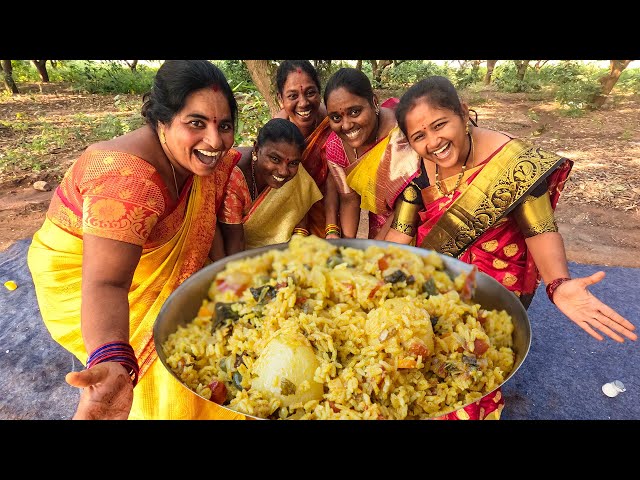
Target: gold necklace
<point>163,141</point>
<point>460,175</point>
<point>175,182</point>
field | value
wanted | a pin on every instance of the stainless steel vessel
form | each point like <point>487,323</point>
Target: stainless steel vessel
<point>183,304</point>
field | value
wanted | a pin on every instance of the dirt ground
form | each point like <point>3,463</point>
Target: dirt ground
<point>598,213</point>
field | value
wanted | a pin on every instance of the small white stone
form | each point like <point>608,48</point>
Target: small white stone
<point>612,389</point>
<point>42,186</point>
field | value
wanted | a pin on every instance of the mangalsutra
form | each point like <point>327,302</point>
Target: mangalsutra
<point>460,175</point>
<point>355,150</point>
<point>253,178</point>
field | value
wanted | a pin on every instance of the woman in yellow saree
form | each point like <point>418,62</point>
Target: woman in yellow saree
<point>298,88</point>
<point>369,158</point>
<point>133,218</point>
<point>270,192</point>
<point>488,199</point>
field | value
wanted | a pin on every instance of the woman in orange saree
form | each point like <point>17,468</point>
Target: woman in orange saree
<point>488,199</point>
<point>298,88</point>
<point>133,218</point>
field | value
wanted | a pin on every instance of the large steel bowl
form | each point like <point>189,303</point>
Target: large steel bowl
<point>183,304</point>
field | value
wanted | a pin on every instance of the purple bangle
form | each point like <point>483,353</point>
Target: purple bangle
<point>120,352</point>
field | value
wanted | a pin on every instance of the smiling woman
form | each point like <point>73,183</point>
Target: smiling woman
<point>369,158</point>
<point>298,87</point>
<point>132,218</point>
<point>270,192</point>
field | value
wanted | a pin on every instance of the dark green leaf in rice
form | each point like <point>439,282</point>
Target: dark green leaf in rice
<point>237,380</point>
<point>429,287</point>
<point>470,360</point>
<point>396,277</point>
<point>225,311</point>
<point>287,387</point>
<point>263,294</point>
<point>334,260</point>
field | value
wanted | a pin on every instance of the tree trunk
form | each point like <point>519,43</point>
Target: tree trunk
<point>41,66</point>
<point>359,65</point>
<point>539,64</point>
<point>521,66</point>
<point>377,69</point>
<point>7,70</point>
<point>263,75</point>
<point>608,82</point>
<point>491,64</point>
<point>132,65</point>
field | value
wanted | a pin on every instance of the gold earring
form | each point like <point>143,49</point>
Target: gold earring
<point>377,108</point>
<point>254,156</point>
<point>163,139</point>
<point>467,131</point>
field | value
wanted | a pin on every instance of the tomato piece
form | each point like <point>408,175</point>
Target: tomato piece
<point>480,346</point>
<point>383,264</point>
<point>218,391</point>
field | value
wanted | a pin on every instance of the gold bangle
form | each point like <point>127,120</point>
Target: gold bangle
<point>332,228</point>
<point>301,231</point>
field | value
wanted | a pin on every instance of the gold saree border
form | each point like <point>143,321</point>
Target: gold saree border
<point>507,179</point>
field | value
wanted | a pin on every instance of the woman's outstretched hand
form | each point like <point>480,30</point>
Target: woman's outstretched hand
<point>107,392</point>
<point>583,308</point>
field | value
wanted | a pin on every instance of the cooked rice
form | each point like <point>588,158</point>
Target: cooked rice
<point>382,349</point>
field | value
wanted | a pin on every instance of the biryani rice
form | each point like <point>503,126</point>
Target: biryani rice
<point>388,345</point>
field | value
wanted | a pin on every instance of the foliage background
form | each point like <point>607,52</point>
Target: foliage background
<point>570,83</point>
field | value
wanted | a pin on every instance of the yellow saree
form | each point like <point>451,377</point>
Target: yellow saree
<point>276,212</point>
<point>55,261</point>
<point>381,174</point>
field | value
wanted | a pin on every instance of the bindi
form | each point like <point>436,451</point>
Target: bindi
<point>215,120</point>
<point>215,88</point>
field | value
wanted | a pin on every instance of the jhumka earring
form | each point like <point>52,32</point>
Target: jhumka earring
<point>377,108</point>
<point>163,139</point>
<point>254,157</point>
<point>467,131</point>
